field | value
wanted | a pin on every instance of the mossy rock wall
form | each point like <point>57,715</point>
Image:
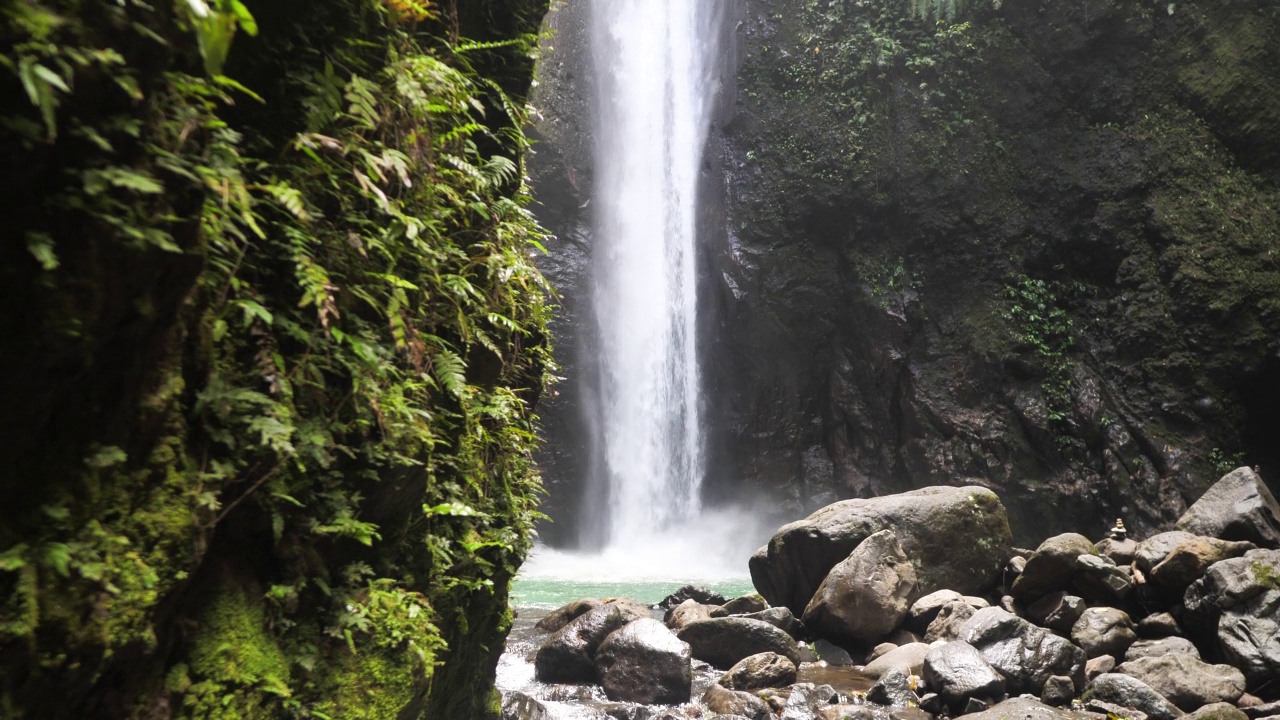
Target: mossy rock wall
<point>1035,246</point>
<point>273,342</point>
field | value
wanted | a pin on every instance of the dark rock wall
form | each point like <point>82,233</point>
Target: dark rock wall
<point>1035,248</point>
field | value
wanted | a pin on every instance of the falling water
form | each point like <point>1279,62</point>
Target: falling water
<point>654,88</point>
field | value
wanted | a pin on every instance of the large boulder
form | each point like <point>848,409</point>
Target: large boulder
<point>908,658</point>
<point>957,671</point>
<point>958,538</point>
<point>687,612</point>
<point>568,656</point>
<point>697,593</point>
<point>926,608</point>
<point>1130,692</point>
<point>866,595</point>
<point>1186,681</point>
<point>1026,655</point>
<point>566,613</point>
<point>736,703</point>
<point>1161,646</point>
<point>1237,507</point>
<point>1057,611</point>
<point>1104,631</point>
<point>761,670</point>
<point>1190,559</point>
<point>744,605</point>
<point>894,689</point>
<point>952,617</point>
<point>722,642</point>
<point>1051,566</point>
<point>1099,580</point>
<point>781,618</point>
<point>645,663</point>
<point>1024,708</point>
<point>1240,599</point>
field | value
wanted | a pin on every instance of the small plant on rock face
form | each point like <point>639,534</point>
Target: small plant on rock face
<point>1223,462</point>
<point>1045,328</point>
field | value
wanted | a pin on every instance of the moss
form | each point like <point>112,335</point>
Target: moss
<point>234,645</point>
<point>1266,575</point>
<point>371,684</point>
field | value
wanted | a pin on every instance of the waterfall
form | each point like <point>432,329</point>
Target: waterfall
<point>653,92</point>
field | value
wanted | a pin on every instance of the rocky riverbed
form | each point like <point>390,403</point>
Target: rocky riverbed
<point>914,606</point>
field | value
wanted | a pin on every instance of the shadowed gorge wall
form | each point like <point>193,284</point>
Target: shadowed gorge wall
<point>272,346</point>
<point>1036,247</point>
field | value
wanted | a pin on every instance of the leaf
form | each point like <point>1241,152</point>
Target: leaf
<point>12,559</point>
<point>450,370</point>
<point>452,509</point>
<point>58,556</point>
<point>253,310</point>
<point>40,245</point>
<point>105,456</point>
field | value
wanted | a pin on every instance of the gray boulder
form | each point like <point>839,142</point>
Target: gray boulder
<point>566,613</point>
<point>866,595</point>
<point>568,656</point>
<point>1240,598</point>
<point>1121,552</point>
<point>761,670</point>
<point>1098,579</point>
<point>687,612</point>
<point>893,689</point>
<point>1058,690</point>
<point>1111,710</point>
<point>1189,560</point>
<point>1186,681</point>
<point>1057,611</point>
<point>1024,708</point>
<point>781,618</point>
<point>722,642</point>
<point>697,593</point>
<point>1051,566</point>
<point>804,700</point>
<point>957,671</point>
<point>908,658</point>
<point>1238,507</point>
<point>724,701</point>
<point>1217,711</point>
<point>952,617</point>
<point>1104,631</point>
<point>1099,665</point>
<point>1159,625</point>
<point>1127,691</point>
<point>1155,549</point>
<point>1161,646</point>
<point>752,603</point>
<point>645,663</point>
<point>959,538</point>
<point>1025,654</point>
<point>926,608</point>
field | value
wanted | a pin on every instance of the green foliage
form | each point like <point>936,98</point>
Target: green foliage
<point>342,337</point>
<point>1047,331</point>
<point>1223,462</point>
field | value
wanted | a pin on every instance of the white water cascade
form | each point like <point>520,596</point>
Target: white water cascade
<point>654,91</point>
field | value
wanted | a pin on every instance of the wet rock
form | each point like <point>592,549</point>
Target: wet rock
<point>1238,507</point>
<point>1255,708</point>
<point>687,612</point>
<point>1217,711</point>
<point>927,523</point>
<point>866,595</point>
<point>761,670</point>
<point>1056,611</point>
<point>561,616</point>
<point>957,670</point>
<point>850,711</point>
<point>1121,552</point>
<point>894,689</point>
<point>952,617</point>
<point>752,603</point>
<point>1127,691</point>
<point>1058,691</point>
<point>831,653</point>
<point>1099,579</point>
<point>519,706</point>
<point>645,663</point>
<point>1161,646</point>
<point>806,699</point>
<point>1099,665</point>
<point>1051,567</point>
<point>925,609</point>
<point>907,658</point>
<point>880,650</point>
<point>1104,631</point>
<point>780,618</point>
<point>1189,560</point>
<point>697,593</point>
<point>1186,681</point>
<point>1112,710</point>
<point>1155,549</point>
<point>722,642</point>
<point>1023,708</point>
<point>974,705</point>
<point>1158,625</point>
<point>1240,597</point>
<point>1025,654</point>
<point>933,703</point>
<point>631,608</point>
<point>976,602</point>
<point>736,702</point>
<point>568,656</point>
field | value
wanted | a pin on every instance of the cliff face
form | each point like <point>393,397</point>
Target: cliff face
<point>1035,247</point>
<point>272,344</point>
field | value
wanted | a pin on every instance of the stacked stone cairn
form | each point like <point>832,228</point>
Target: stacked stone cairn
<point>952,620</point>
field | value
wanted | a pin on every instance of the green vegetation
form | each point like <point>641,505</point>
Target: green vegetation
<point>280,340</point>
<point>1045,330</point>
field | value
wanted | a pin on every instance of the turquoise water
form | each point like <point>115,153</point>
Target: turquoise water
<point>550,593</point>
